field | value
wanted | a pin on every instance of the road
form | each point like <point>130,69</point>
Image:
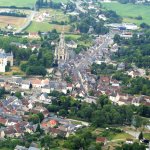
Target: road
<point>85,59</point>
<point>28,22</point>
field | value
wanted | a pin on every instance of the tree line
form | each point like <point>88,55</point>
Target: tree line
<point>134,50</point>
<point>101,114</point>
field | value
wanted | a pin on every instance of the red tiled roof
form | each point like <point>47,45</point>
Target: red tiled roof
<point>2,120</point>
<point>101,139</point>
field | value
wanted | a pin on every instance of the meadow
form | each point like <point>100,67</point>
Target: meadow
<point>129,12</point>
<point>45,26</point>
<point>18,3</point>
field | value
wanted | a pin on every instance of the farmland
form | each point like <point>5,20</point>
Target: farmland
<point>15,22</point>
<point>130,11</point>
<point>18,3</point>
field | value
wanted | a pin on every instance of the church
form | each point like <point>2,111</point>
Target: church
<point>61,51</point>
<point>5,59</point>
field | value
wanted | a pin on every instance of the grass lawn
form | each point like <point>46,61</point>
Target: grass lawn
<point>18,3</point>
<point>121,136</point>
<point>130,11</point>
<point>45,26</point>
<point>73,36</point>
<point>147,136</point>
<point>14,71</point>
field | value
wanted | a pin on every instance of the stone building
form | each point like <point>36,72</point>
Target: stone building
<point>5,59</point>
<point>61,51</point>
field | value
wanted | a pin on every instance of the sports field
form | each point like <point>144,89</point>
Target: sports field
<point>18,3</point>
<point>130,11</point>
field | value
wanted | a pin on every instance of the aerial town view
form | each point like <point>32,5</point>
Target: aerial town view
<point>74,74</point>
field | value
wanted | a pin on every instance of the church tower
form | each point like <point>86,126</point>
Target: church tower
<point>61,51</point>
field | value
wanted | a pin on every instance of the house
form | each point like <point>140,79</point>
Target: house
<point>44,98</point>
<point>72,44</point>
<point>129,141</point>
<point>104,80</point>
<point>25,85</point>
<point>102,17</point>
<point>33,35</point>
<point>126,35</point>
<point>44,82</point>
<point>53,123</point>
<point>102,140</point>
<point>57,132</point>
<point>33,148</point>
<point>69,87</point>
<point>49,123</point>
<point>18,147</point>
<point>3,121</point>
<point>121,66</point>
<point>45,89</point>
<point>2,83</point>
<point>2,134</point>
<point>36,83</point>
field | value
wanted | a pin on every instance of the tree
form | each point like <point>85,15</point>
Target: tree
<point>103,100</point>
<point>98,118</point>
<point>36,70</point>
<point>62,112</point>
<point>34,118</point>
<point>137,121</point>
<point>141,136</point>
<point>83,27</point>
<point>24,66</point>
<point>33,60</point>
<point>31,86</point>
<point>18,95</point>
<point>2,91</point>
<point>41,116</point>
<point>38,129</point>
<point>134,146</point>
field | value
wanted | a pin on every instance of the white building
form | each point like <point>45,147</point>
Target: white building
<point>5,59</point>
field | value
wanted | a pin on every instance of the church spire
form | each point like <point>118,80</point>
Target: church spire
<point>61,52</point>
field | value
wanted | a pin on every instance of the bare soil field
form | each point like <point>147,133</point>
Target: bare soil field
<point>15,22</point>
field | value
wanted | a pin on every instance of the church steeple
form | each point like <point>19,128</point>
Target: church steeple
<point>61,51</point>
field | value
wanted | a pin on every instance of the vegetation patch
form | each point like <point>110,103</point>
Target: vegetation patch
<point>45,26</point>
<point>130,11</point>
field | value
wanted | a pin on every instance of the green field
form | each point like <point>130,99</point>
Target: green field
<point>58,1</point>
<point>147,136</point>
<point>45,26</point>
<point>18,3</point>
<point>130,11</point>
